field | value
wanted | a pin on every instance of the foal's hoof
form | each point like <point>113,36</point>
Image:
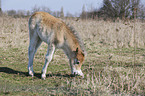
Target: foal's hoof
<point>43,76</point>
<point>31,73</point>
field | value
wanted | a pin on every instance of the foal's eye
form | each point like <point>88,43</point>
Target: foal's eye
<point>78,62</point>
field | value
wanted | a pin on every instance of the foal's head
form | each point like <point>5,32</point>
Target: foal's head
<point>78,57</point>
<point>76,61</point>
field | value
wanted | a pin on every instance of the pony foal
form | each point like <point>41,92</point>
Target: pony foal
<point>54,32</point>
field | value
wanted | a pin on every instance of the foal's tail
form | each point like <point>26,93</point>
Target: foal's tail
<point>33,21</point>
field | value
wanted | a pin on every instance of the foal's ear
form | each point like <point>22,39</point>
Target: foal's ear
<point>77,50</point>
<point>83,54</point>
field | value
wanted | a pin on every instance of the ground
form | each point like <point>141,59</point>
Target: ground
<point>114,64</point>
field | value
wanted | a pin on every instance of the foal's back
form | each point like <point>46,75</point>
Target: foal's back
<point>48,28</point>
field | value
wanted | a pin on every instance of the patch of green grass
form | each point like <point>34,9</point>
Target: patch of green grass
<point>102,75</point>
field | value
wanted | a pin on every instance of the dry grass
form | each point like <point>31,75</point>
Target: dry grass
<point>14,32</point>
<point>114,65</point>
<point>116,34</point>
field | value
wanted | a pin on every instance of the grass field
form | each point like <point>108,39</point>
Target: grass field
<point>114,64</point>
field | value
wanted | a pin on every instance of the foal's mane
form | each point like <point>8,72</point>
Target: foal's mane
<point>77,36</point>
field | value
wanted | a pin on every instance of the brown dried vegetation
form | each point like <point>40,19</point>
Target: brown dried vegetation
<point>114,64</point>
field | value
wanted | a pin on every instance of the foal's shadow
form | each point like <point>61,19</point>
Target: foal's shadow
<point>12,71</point>
<point>38,75</point>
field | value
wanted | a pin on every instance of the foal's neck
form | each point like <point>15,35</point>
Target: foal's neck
<point>70,45</point>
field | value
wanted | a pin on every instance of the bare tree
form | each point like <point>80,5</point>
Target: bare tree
<point>61,13</point>
<point>135,7</point>
<point>69,14</point>
<point>0,8</point>
<point>11,12</point>
<point>84,13</point>
<point>56,13</point>
<point>21,13</point>
<point>35,9</point>
<point>117,8</point>
<point>120,8</point>
<point>45,9</point>
<point>141,12</point>
<point>28,13</point>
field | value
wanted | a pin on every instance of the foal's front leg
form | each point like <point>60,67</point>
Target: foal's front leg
<point>48,58</point>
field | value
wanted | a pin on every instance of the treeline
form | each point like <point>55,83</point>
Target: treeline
<point>111,9</point>
<point>24,13</point>
<point>114,9</point>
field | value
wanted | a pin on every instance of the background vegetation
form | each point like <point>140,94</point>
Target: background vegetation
<point>114,64</point>
<point>111,9</point>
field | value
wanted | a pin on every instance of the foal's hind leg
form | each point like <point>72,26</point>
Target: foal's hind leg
<point>48,58</point>
<point>35,42</point>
